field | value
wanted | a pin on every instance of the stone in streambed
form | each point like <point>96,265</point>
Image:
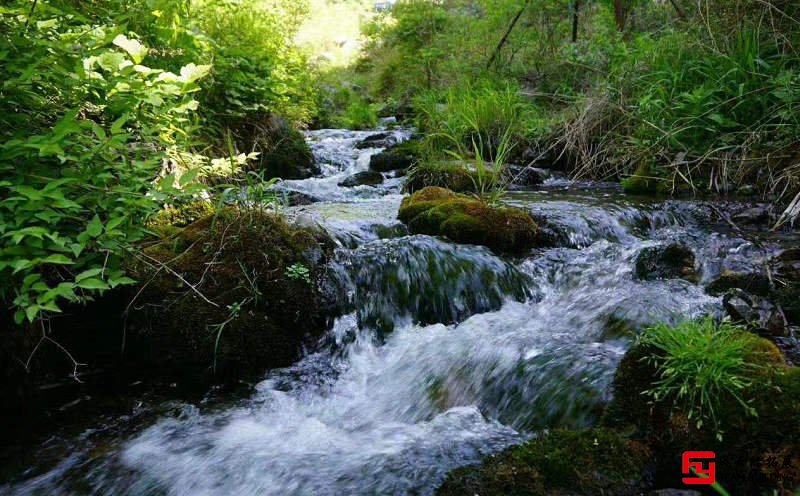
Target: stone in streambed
<point>754,283</point>
<point>463,219</point>
<point>758,314</point>
<point>364,178</point>
<point>379,140</point>
<point>674,261</point>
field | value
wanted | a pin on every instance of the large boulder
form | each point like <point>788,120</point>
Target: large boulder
<point>674,261</point>
<point>464,219</point>
<point>449,175</point>
<point>399,157</point>
<point>230,295</point>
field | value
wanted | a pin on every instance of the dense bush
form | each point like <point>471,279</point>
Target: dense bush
<point>104,107</point>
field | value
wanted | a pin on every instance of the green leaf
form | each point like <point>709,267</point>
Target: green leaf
<point>135,49</point>
<point>31,312</point>
<point>86,274</point>
<point>57,259</point>
<point>93,283</point>
<point>95,227</point>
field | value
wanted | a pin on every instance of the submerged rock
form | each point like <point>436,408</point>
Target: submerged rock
<point>368,178</point>
<point>674,261</point>
<point>581,463</point>
<point>230,295</point>
<point>438,211</point>
<point>521,177</point>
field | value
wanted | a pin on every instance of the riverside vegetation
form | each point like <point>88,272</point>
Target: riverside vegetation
<point>167,220</point>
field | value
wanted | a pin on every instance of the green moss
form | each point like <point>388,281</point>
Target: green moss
<point>283,151</point>
<point>452,176</point>
<point>441,212</point>
<point>597,461</point>
<point>243,312</point>
<point>757,454</point>
<point>165,222</point>
<point>641,182</point>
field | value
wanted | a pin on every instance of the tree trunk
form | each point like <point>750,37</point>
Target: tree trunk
<point>576,5</point>
<point>508,32</point>
<point>619,14</point>
<point>678,9</point>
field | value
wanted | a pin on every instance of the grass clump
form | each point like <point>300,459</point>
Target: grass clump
<point>699,365</point>
<point>716,386</point>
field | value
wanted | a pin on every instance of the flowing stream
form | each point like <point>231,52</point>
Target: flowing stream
<point>451,353</point>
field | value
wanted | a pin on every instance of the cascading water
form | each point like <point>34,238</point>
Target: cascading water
<point>450,353</point>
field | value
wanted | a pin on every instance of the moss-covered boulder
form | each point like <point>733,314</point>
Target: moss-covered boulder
<point>592,462</point>
<point>674,261</point>
<point>230,295</point>
<point>463,219</point>
<point>755,454</point>
<point>170,219</point>
<point>283,151</point>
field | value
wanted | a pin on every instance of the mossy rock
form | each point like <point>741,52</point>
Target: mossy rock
<point>230,295</point>
<point>591,462</point>
<point>453,176</point>
<point>398,157</point>
<point>441,212</point>
<point>165,222</point>
<point>757,454</point>
<point>642,182</point>
<point>283,151</point>
<point>674,261</point>
<point>363,178</point>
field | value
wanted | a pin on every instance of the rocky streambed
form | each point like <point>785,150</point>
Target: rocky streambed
<point>438,354</point>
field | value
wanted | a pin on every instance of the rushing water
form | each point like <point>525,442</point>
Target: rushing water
<point>450,352</point>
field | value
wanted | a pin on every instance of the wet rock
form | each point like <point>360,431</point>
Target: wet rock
<point>675,261</point>
<point>390,160</point>
<point>524,177</point>
<point>758,215</point>
<point>786,266</point>
<point>753,283</point>
<point>785,269</point>
<point>229,296</point>
<point>591,462</point>
<point>379,140</point>
<point>463,219</point>
<point>759,314</point>
<point>368,178</point>
<point>296,198</point>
